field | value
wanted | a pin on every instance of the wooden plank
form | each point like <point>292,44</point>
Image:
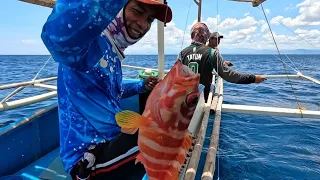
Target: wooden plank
<point>195,157</point>
<point>210,164</point>
<point>255,3</point>
<point>45,3</point>
<point>271,111</point>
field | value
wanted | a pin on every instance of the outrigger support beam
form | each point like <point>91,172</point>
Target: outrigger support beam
<point>255,3</point>
<point>271,111</point>
<point>45,3</point>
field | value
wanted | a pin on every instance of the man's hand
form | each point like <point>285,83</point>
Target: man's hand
<point>150,82</point>
<point>260,79</point>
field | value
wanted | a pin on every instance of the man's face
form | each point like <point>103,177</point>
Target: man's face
<point>138,18</point>
<point>214,42</point>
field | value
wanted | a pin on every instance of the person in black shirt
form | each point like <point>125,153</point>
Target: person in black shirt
<point>203,59</point>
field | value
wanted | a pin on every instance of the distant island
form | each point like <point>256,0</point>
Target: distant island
<point>244,51</point>
<point>256,51</point>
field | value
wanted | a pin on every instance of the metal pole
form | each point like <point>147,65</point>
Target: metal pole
<point>199,2</point>
<point>160,48</point>
<point>199,10</point>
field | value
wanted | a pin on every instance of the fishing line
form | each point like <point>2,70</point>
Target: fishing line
<point>296,33</point>
<point>294,69</point>
<point>185,26</point>
<point>217,79</point>
<point>35,77</point>
<point>284,66</point>
<point>292,63</point>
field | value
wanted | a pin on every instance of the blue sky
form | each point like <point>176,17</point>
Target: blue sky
<point>241,24</point>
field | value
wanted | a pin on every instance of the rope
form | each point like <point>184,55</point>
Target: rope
<point>292,63</point>
<point>297,34</point>
<point>291,31</point>
<point>283,63</point>
<point>35,77</point>
<point>185,26</point>
<point>217,36</point>
<point>218,78</point>
<point>296,70</point>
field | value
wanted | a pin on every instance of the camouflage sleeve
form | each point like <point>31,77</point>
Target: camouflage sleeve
<point>131,88</point>
<point>226,72</point>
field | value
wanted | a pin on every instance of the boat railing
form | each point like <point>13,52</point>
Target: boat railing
<point>216,107</point>
<point>197,149</point>
<point>5,104</point>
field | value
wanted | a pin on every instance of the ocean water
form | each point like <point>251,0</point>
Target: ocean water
<point>250,146</point>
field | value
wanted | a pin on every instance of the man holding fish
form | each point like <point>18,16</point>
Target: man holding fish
<point>87,38</point>
<point>203,59</point>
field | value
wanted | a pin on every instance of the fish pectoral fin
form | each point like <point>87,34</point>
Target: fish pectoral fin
<point>129,130</point>
<point>130,120</point>
<point>140,159</point>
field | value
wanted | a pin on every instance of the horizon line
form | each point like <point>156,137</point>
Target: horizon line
<point>172,54</point>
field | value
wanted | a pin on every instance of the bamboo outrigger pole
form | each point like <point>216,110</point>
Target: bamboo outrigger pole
<point>210,164</point>
<point>196,153</point>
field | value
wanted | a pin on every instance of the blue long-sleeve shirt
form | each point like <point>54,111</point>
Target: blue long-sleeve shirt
<point>89,74</point>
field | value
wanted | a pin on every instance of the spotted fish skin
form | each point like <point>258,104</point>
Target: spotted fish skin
<point>164,140</point>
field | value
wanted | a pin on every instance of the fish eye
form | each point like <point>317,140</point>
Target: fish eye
<point>191,99</point>
<point>195,101</point>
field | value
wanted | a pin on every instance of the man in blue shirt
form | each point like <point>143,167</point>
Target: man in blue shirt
<point>87,38</point>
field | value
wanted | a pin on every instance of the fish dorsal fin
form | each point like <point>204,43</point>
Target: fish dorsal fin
<point>130,120</point>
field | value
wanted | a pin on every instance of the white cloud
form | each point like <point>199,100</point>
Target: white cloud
<point>230,23</point>
<point>173,37</point>
<point>23,47</point>
<point>294,41</point>
<point>267,11</point>
<point>309,14</point>
<point>246,32</point>
<point>264,27</point>
<point>238,33</point>
<point>290,7</point>
<point>31,41</point>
